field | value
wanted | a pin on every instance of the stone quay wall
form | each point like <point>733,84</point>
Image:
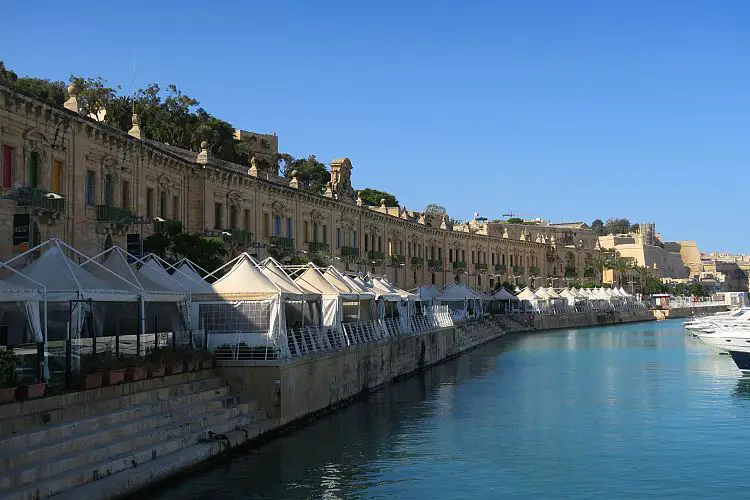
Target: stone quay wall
<point>297,388</point>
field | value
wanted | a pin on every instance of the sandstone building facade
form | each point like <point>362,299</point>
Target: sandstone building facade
<point>109,181</point>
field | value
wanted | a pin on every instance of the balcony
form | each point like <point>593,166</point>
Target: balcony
<point>349,252</point>
<point>480,266</point>
<point>501,268</point>
<point>417,262</point>
<point>115,215</point>
<point>282,242</point>
<point>37,199</point>
<point>435,264</point>
<point>375,255</point>
<point>398,260</point>
<point>458,265</point>
<point>518,270</point>
<point>170,226</point>
<point>534,271</point>
<point>317,247</point>
<point>570,272</point>
<point>241,237</point>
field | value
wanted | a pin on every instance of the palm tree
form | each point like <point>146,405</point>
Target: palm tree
<point>643,273</point>
<point>600,262</point>
<point>621,266</point>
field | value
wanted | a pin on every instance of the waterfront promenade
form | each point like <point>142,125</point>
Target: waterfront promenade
<point>238,413</point>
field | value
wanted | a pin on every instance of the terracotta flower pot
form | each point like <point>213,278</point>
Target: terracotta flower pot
<point>89,381</point>
<point>135,373</point>
<point>175,368</point>
<point>31,391</point>
<point>155,371</point>
<point>114,377</point>
<point>7,395</point>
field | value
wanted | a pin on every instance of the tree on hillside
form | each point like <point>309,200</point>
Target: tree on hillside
<point>617,226</point>
<point>93,94</point>
<point>634,228</point>
<point>514,220</point>
<point>438,211</point>
<point>173,245</point>
<point>597,227</point>
<point>312,174</point>
<point>373,197</point>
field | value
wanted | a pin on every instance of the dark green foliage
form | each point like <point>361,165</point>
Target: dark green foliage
<point>173,245</point>
<point>311,173</point>
<point>597,227</point>
<point>373,197</point>
<point>514,220</point>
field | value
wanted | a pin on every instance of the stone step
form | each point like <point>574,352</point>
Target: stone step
<point>168,455</point>
<point>131,480</point>
<point>47,443</point>
<point>81,397</point>
<point>121,454</point>
<point>18,424</point>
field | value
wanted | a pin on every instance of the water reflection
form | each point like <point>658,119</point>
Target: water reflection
<point>633,411</point>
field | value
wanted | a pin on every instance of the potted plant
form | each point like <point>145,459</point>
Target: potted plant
<point>155,363</point>
<point>134,369</point>
<point>174,361</point>
<point>7,376</point>
<point>208,360</point>
<point>30,391</point>
<point>114,369</point>
<point>91,376</point>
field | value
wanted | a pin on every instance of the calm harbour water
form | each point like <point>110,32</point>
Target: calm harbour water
<point>632,411</point>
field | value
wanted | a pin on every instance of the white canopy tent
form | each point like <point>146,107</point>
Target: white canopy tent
<point>363,308</point>
<point>534,301</point>
<point>244,308</point>
<point>462,301</point>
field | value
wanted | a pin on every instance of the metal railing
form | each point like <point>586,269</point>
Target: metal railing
<point>283,242</point>
<point>479,266</point>
<point>417,262</point>
<point>435,264</point>
<point>117,215</point>
<point>459,264</point>
<point>38,199</point>
<point>349,252</point>
<point>375,255</point>
<point>316,247</point>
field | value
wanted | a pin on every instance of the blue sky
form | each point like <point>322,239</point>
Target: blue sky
<point>568,110</point>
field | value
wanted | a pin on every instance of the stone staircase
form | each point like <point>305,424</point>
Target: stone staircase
<point>112,441</point>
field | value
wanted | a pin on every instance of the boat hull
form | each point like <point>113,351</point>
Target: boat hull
<point>742,360</point>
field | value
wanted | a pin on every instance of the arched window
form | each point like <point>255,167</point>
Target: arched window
<point>34,169</point>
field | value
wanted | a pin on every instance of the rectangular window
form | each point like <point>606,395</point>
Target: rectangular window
<point>338,237</point>
<point>408,249</point>
<point>56,176</point>
<point>367,246</point>
<point>502,259</point>
<point>325,233</point>
<point>150,203</point>
<point>176,207</point>
<point>289,233</point>
<point>266,225</point>
<point>440,253</point>
<point>315,232</point>
<point>305,231</point>
<point>450,255</point>
<point>472,256</point>
<point>126,195</point>
<point>380,243</point>
<point>354,239</point>
<point>90,188</point>
<point>218,212</point>
<point>246,217</point>
<point>493,259</point>
<point>463,255</point>
<point>163,205</point>
<point>7,167</point>
<point>233,217</point>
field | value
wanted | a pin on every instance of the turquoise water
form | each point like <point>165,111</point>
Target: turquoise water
<point>632,411</point>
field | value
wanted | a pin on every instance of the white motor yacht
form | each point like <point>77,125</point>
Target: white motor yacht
<point>738,318</point>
